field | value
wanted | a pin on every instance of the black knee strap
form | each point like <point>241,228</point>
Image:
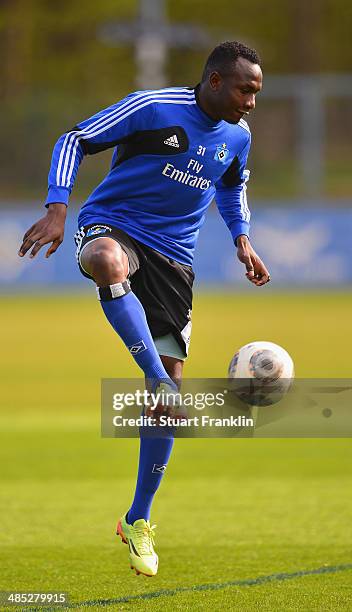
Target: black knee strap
<point>111,292</point>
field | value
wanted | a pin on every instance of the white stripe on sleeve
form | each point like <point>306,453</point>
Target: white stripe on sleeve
<point>119,116</point>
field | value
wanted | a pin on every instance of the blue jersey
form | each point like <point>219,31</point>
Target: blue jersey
<point>169,161</point>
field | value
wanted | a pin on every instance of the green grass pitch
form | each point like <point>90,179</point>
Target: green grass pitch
<point>242,524</point>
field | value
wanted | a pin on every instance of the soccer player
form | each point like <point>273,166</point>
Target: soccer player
<point>174,150</point>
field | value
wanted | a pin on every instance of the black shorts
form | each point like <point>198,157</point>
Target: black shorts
<point>163,285</point>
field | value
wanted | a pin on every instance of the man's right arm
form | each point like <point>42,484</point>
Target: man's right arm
<point>98,133</point>
<point>48,229</point>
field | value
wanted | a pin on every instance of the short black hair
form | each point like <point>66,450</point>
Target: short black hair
<point>224,57</point>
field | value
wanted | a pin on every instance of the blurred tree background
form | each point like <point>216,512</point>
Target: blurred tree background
<point>56,70</point>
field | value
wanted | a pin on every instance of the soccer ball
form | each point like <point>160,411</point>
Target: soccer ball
<point>260,373</point>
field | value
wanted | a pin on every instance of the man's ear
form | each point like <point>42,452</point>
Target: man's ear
<point>215,81</point>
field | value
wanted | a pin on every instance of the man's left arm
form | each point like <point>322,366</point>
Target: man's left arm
<point>231,199</point>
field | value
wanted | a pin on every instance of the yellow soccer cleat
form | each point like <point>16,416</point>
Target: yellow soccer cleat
<point>140,540</point>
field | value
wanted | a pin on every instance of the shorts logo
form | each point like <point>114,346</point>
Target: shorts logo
<point>139,347</point>
<point>158,469</point>
<point>222,153</point>
<point>97,229</point>
<point>186,335</point>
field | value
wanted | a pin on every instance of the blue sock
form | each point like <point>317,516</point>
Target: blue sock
<point>126,315</point>
<point>153,457</point>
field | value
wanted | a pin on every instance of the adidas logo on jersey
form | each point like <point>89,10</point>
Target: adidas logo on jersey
<point>172,141</point>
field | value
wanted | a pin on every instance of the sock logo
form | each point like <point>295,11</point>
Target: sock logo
<point>158,469</point>
<point>138,347</point>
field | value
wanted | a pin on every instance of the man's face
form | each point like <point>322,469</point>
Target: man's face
<point>234,94</point>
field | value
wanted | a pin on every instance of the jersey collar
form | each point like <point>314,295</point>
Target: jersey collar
<point>209,120</point>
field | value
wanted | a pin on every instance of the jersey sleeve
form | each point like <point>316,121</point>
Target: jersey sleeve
<point>231,198</point>
<point>100,132</point>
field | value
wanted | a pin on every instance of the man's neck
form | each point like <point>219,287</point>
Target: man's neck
<point>203,101</point>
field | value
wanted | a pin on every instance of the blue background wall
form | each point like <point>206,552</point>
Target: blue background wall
<point>302,246</point>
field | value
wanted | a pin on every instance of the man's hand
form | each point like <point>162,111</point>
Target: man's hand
<point>256,270</point>
<point>48,229</point>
